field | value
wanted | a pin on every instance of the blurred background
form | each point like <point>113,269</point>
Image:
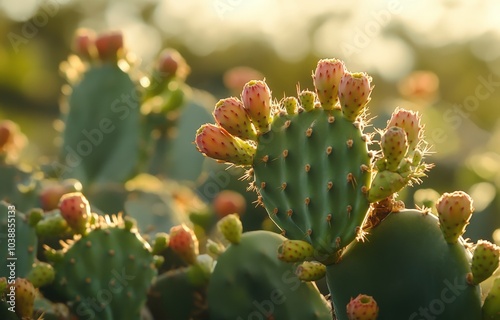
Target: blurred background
<point>441,58</point>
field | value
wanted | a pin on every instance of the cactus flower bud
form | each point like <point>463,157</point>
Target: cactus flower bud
<point>84,43</point>
<point>363,307</point>
<point>171,63</point>
<point>290,104</point>
<point>310,271</point>
<point>109,45</point>
<point>41,274</point>
<point>256,97</point>
<point>491,306</point>
<point>354,94</point>
<point>231,228</point>
<point>25,298</point>
<point>184,243</point>
<point>485,261</point>
<point>454,211</point>
<point>215,142</point>
<point>75,209</point>
<point>409,121</point>
<point>326,79</point>
<point>230,114</point>
<point>307,99</point>
<point>394,146</point>
<point>295,251</point>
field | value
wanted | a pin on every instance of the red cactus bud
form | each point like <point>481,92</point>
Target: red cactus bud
<point>184,243</point>
<point>172,63</point>
<point>363,307</point>
<point>84,43</point>
<point>75,209</point>
<point>354,93</point>
<point>295,251</point>
<point>256,97</point>
<point>109,45</point>
<point>394,146</point>
<point>455,210</point>
<point>228,202</point>
<point>326,79</point>
<point>409,121</point>
<point>215,142</point>
<point>231,115</point>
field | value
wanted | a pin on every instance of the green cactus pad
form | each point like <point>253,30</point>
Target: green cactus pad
<point>105,274</point>
<point>311,171</point>
<point>241,289</point>
<point>19,186</point>
<point>409,269</point>
<point>491,306</point>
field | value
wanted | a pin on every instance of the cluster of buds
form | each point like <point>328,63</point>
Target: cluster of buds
<point>107,46</point>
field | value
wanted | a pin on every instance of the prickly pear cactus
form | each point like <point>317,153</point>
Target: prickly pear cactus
<point>104,274</point>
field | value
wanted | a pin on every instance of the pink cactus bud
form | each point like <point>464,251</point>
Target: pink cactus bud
<point>485,261</point>
<point>326,79</point>
<point>295,251</point>
<point>231,115</point>
<point>75,209</point>
<point>354,93</point>
<point>184,243</point>
<point>454,210</point>
<point>394,146</point>
<point>215,142</point>
<point>310,271</point>
<point>363,307</point>
<point>409,121</point>
<point>109,45</point>
<point>256,97</point>
<point>172,63</point>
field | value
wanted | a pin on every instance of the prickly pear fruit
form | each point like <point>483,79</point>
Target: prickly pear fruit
<point>227,202</point>
<point>215,142</point>
<point>41,274</point>
<point>326,79</point>
<point>109,45</point>
<point>394,146</point>
<point>363,307</point>
<point>409,121</point>
<point>84,43</point>
<point>75,209</point>
<point>25,298</point>
<point>491,306</point>
<point>230,114</point>
<point>172,64</point>
<point>231,228</point>
<point>485,261</point>
<point>454,212</point>
<point>354,93</point>
<point>184,243</point>
<point>256,97</point>
<point>290,105</point>
<point>310,271</point>
<point>295,251</point>
<point>307,99</point>
<point>52,193</point>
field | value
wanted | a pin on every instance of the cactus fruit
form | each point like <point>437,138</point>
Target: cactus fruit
<point>230,114</point>
<point>52,193</point>
<point>290,105</point>
<point>271,291</point>
<point>184,243</point>
<point>172,64</point>
<point>109,45</point>
<point>310,271</point>
<point>41,274</point>
<point>454,212</point>
<point>362,307</point>
<point>228,202</point>
<point>307,100</point>
<point>295,251</point>
<point>25,298</point>
<point>409,121</point>
<point>485,261</point>
<point>491,306</point>
<point>75,209</point>
<point>326,79</point>
<point>231,228</point>
<point>217,143</point>
<point>354,93</point>
<point>407,250</point>
<point>394,147</point>
<point>256,97</point>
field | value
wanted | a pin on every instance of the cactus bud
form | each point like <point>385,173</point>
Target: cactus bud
<point>491,306</point>
<point>385,184</point>
<point>75,209</point>
<point>290,104</point>
<point>394,146</point>
<point>354,94</point>
<point>84,43</point>
<point>363,307</point>
<point>409,121</point>
<point>295,251</point>
<point>215,142</point>
<point>326,79</point>
<point>307,99</point>
<point>52,225</point>
<point>228,202</point>
<point>485,261</point>
<point>109,45</point>
<point>231,228</point>
<point>256,97</point>
<point>41,274</point>
<point>230,114</point>
<point>310,271</point>
<point>184,243</point>
<point>172,64</point>
<point>25,298</point>
<point>454,211</point>
<point>160,243</point>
